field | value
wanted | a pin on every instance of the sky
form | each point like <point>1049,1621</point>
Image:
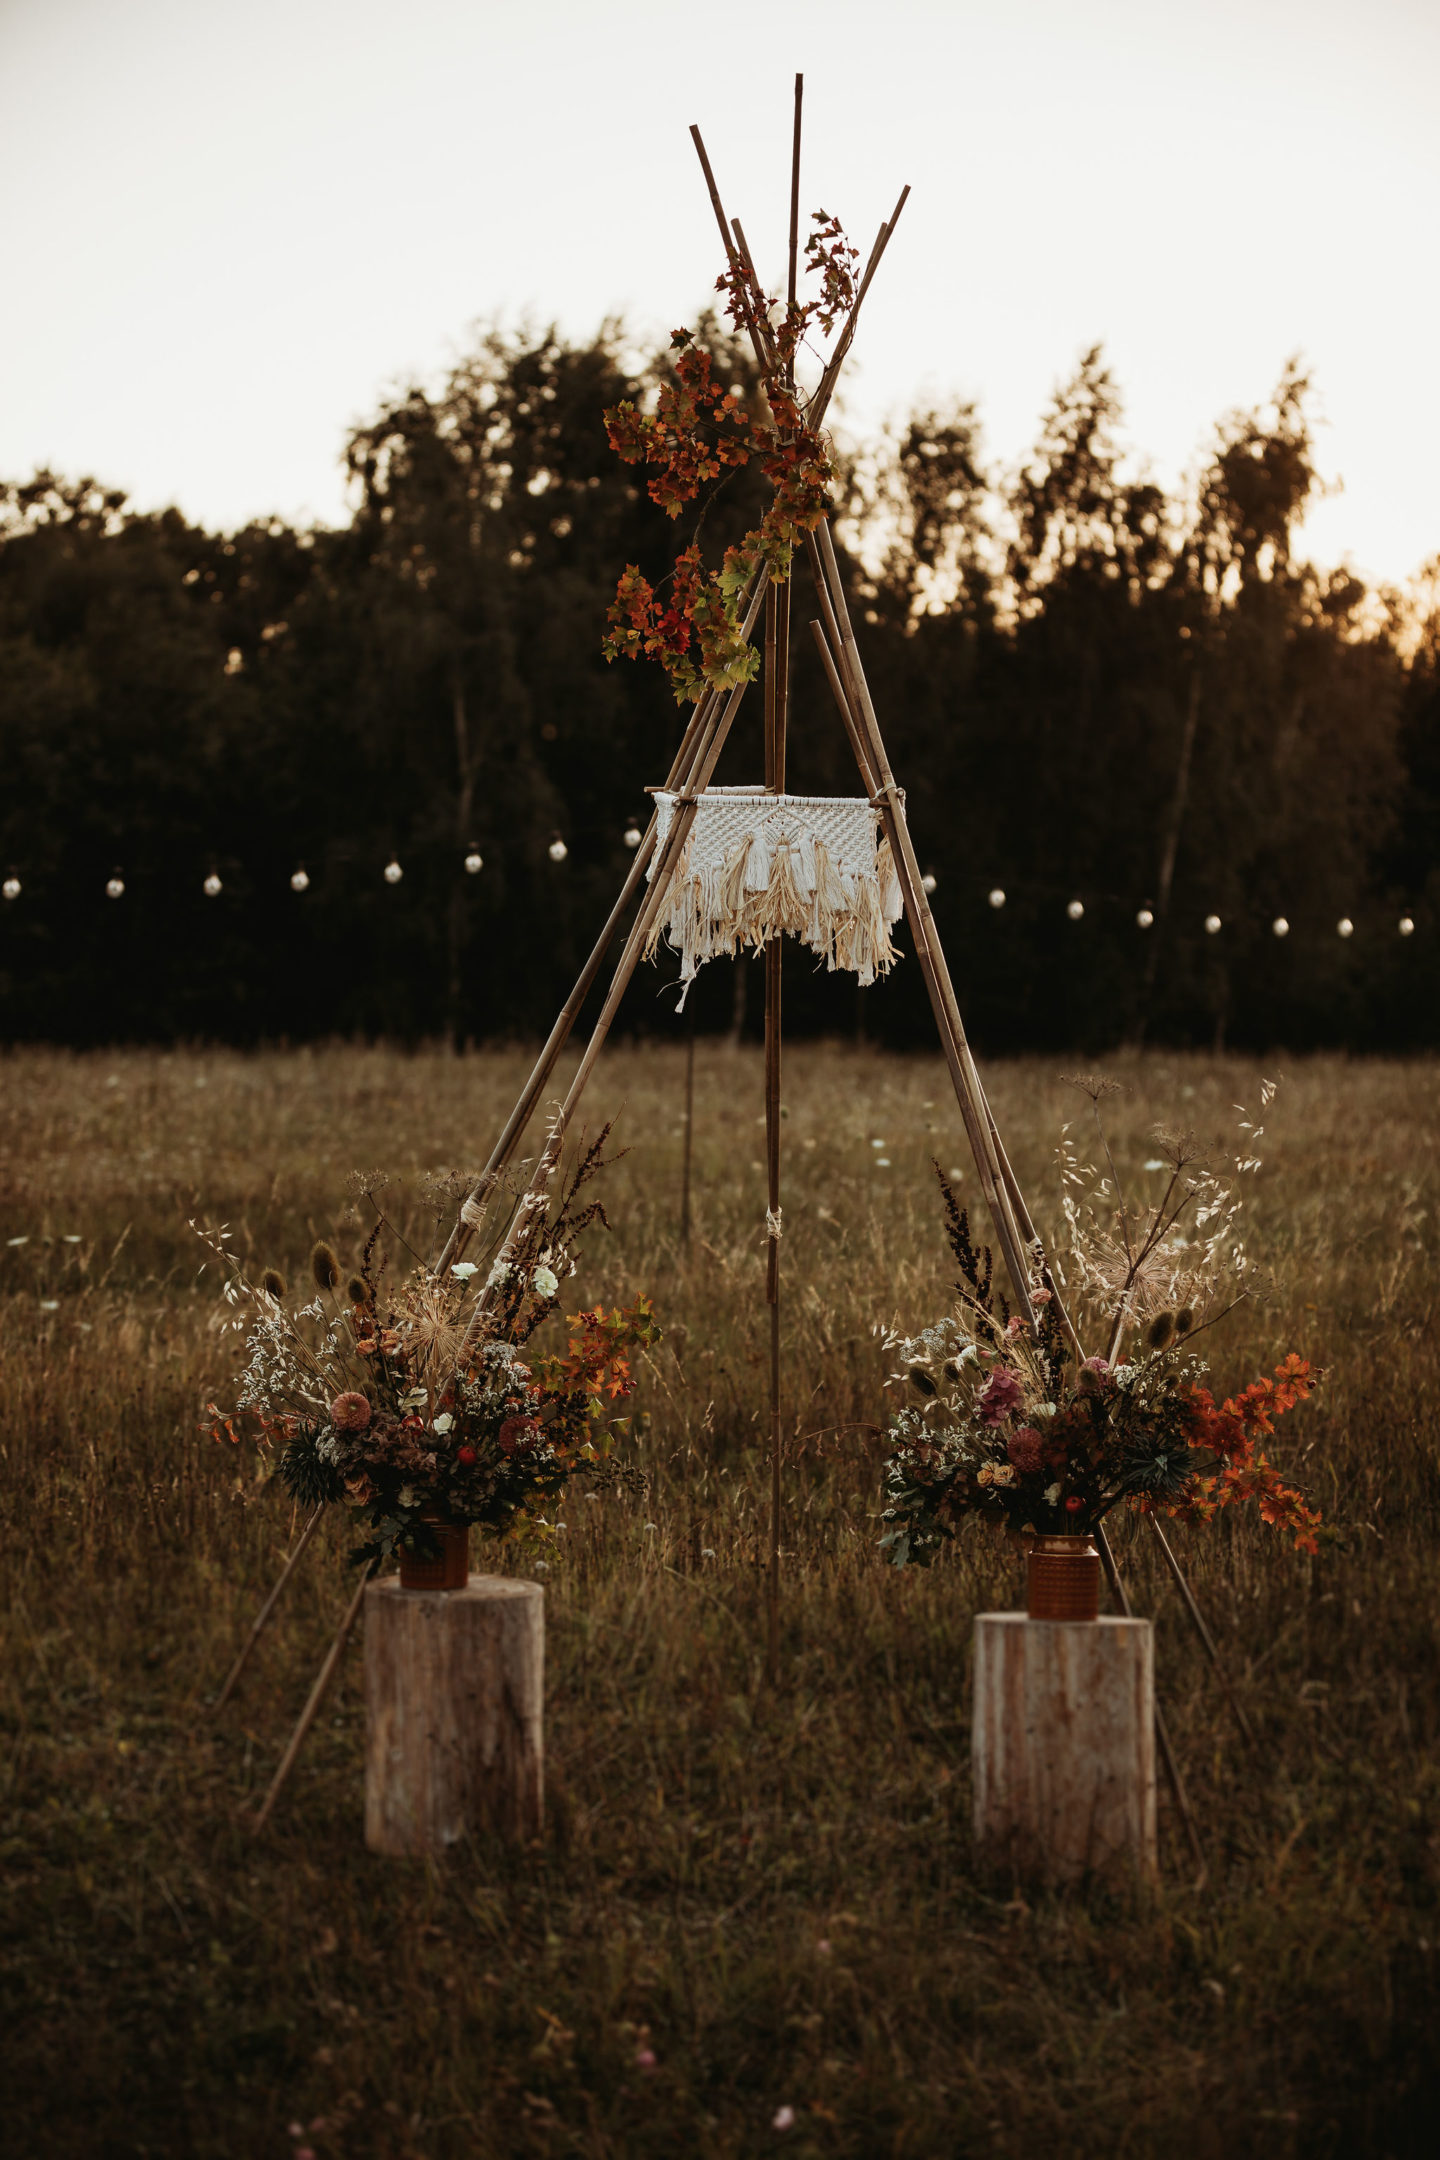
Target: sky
<point>227,229</point>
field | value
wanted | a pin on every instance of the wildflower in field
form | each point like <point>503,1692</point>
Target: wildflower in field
<point>783,2119</point>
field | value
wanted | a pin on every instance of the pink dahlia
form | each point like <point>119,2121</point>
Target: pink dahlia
<point>350,1413</point>
<point>1001,1394</point>
<point>1023,1448</point>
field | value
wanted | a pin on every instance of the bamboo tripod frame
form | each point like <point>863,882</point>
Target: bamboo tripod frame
<point>690,773</point>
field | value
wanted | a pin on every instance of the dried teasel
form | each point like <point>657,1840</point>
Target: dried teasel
<point>324,1267</point>
<point>1161,1331</point>
<point>358,1290</point>
<point>921,1379</point>
<point>273,1283</point>
<point>1184,1320</point>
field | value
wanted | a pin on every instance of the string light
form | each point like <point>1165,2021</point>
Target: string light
<point>115,887</point>
<point>997,897</point>
<point>1407,925</point>
<point>1075,909</point>
<point>474,861</point>
<point>11,887</point>
<point>633,835</point>
<point>211,886</point>
<point>929,881</point>
<point>1212,924</point>
<point>393,872</point>
<point>1345,928</point>
<point>557,850</point>
<point>1280,927</point>
<point>1145,917</point>
<point>300,879</point>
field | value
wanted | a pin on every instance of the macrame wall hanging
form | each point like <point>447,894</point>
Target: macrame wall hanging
<point>755,865</point>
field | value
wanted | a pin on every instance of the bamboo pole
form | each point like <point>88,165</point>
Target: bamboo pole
<point>875,768</point>
<point>689,1138</point>
<point>1121,1599</point>
<point>693,747</point>
<point>795,190</point>
<point>317,1696</point>
<point>257,1625</point>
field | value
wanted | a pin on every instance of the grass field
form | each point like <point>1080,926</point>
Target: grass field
<point>771,1892</point>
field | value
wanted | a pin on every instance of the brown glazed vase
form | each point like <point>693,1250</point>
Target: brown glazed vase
<point>1063,1579</point>
<point>449,1570</point>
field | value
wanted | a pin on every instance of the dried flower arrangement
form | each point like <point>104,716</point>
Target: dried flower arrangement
<point>419,1405</point>
<point>1014,1423</point>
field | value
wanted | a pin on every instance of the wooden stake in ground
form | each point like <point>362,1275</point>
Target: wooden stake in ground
<point>318,1693</point>
<point>257,1625</point>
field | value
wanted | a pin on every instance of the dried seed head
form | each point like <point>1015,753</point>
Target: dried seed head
<point>272,1282</point>
<point>1184,1320</point>
<point>357,1290</point>
<point>951,1369</point>
<point>1161,1331</point>
<point>920,1379</point>
<point>324,1266</point>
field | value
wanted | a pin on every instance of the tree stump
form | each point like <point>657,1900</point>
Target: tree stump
<point>1063,1746</point>
<point>454,1713</point>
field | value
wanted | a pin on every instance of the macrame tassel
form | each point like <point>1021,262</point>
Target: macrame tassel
<point>829,907</point>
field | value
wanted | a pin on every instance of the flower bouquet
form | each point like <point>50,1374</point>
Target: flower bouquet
<point>420,1407</point>
<point>1012,1422</point>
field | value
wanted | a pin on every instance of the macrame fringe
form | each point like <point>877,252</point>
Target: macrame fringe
<point>719,906</point>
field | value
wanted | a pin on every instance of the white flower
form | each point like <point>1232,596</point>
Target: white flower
<point>546,1282</point>
<point>464,1269</point>
<point>407,1496</point>
<point>1043,1409</point>
<point>1052,1493</point>
<point>444,1422</point>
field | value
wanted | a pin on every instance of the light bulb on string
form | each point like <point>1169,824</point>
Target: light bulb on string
<point>300,879</point>
<point>1280,926</point>
<point>474,861</point>
<point>1145,917</point>
<point>1406,926</point>
<point>393,872</point>
<point>115,887</point>
<point>212,886</point>
<point>1212,924</point>
<point>1075,909</point>
<point>11,887</point>
<point>1345,928</point>
<point>633,835</point>
<point>997,897</point>
<point>929,881</point>
<point>557,850</point>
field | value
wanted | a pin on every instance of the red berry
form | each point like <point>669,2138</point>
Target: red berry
<point>465,1455</point>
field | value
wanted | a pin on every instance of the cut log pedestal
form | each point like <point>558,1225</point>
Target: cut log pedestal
<point>1063,1747</point>
<point>454,1713</point>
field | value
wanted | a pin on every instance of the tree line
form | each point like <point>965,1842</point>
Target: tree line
<point>1095,693</point>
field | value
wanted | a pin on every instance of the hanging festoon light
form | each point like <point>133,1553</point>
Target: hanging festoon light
<point>1406,926</point>
<point>115,886</point>
<point>929,881</point>
<point>474,861</point>
<point>11,887</point>
<point>997,896</point>
<point>300,879</point>
<point>1212,925</point>
<point>212,886</point>
<point>1345,928</point>
<point>1075,909</point>
<point>1280,926</point>
<point>557,850</point>
<point>393,872</point>
<point>1145,917</point>
<point>632,835</point>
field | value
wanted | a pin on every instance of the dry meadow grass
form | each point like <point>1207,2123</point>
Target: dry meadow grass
<point>771,1891</point>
